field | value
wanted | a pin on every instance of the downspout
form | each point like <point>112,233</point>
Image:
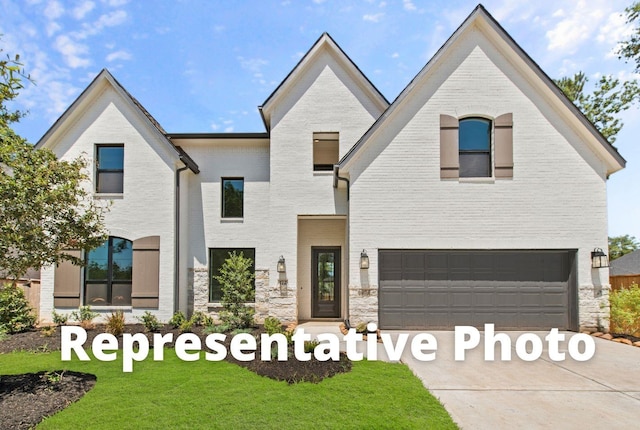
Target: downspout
<point>176,270</point>
<point>336,178</point>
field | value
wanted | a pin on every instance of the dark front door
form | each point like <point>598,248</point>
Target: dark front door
<point>325,266</point>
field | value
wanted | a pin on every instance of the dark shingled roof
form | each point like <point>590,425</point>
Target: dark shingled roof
<point>628,264</point>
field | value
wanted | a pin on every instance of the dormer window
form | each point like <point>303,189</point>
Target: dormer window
<point>325,151</point>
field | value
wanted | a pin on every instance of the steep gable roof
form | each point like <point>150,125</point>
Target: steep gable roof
<point>482,18</point>
<point>105,76</point>
<point>324,41</point>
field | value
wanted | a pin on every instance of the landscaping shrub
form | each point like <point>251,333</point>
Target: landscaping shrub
<point>236,283</point>
<point>310,345</point>
<point>625,310</point>
<point>85,316</point>
<point>177,319</point>
<point>115,323</point>
<point>48,330</point>
<point>200,319</point>
<point>15,313</point>
<point>186,326</point>
<point>216,328</point>
<point>273,325</point>
<point>150,322</point>
<point>59,319</point>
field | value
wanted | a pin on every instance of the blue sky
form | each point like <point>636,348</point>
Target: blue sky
<point>205,66</point>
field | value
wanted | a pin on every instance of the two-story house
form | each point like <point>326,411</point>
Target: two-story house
<point>477,196</point>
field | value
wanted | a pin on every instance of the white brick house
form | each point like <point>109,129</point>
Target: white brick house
<point>477,196</point>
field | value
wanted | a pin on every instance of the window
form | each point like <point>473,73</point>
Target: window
<point>108,273</point>
<point>475,148</point>
<point>325,151</point>
<point>217,256</point>
<point>109,169</point>
<point>232,197</point>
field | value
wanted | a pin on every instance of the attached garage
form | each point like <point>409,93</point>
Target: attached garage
<point>514,289</point>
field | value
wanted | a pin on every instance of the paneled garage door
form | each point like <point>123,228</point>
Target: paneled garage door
<point>515,289</point>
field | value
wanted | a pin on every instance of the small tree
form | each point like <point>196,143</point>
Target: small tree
<point>45,208</point>
<point>236,283</point>
<point>16,314</point>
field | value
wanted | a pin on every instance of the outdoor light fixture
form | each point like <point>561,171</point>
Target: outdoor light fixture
<point>364,260</point>
<point>599,259</point>
<point>281,266</point>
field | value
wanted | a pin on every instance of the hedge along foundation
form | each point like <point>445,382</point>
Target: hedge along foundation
<point>243,347</point>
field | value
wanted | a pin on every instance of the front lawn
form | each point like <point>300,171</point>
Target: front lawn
<point>176,394</point>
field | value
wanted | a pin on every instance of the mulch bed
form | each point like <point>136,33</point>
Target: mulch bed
<point>27,399</point>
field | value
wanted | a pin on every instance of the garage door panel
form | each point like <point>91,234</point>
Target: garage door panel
<point>442,289</point>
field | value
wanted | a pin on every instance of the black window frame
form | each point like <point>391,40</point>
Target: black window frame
<point>100,170</point>
<point>476,151</point>
<point>109,281</point>
<point>223,203</point>
<point>215,292</point>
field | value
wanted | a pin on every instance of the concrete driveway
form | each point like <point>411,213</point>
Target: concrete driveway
<point>603,392</point>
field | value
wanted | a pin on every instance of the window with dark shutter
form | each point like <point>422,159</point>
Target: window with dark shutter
<point>504,146</point>
<point>449,163</point>
<point>474,143</point>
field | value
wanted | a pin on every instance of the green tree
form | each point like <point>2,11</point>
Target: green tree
<point>630,48</point>
<point>604,104</point>
<point>621,245</point>
<point>44,206</point>
<point>238,288</point>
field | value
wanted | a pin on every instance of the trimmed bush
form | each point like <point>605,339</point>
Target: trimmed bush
<point>59,319</point>
<point>150,322</point>
<point>177,319</point>
<point>625,311</point>
<point>85,316</point>
<point>273,325</point>
<point>16,314</point>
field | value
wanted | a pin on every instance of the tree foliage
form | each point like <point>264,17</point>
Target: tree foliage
<point>621,245</point>
<point>630,48</point>
<point>45,208</point>
<point>236,282</point>
<point>602,106</point>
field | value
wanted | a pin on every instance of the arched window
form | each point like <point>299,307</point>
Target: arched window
<point>108,273</point>
<point>475,147</point>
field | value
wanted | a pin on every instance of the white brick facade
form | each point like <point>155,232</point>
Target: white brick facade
<point>396,198</point>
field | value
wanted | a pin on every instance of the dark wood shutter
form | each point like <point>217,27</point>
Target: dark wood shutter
<point>145,282</point>
<point>449,152</point>
<point>66,282</point>
<point>504,146</point>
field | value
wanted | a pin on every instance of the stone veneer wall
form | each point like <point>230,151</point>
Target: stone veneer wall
<point>271,300</point>
<point>363,303</point>
<point>593,307</point>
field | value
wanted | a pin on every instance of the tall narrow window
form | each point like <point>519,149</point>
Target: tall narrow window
<point>109,169</point>
<point>108,273</point>
<point>217,257</point>
<point>475,147</point>
<point>326,150</point>
<point>232,197</point>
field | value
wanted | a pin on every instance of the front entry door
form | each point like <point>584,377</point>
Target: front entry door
<point>325,266</point>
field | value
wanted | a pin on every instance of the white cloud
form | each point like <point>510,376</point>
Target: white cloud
<point>614,31</point>
<point>319,1</point>
<point>53,10</point>
<point>408,5</point>
<point>373,17</point>
<point>111,19</point>
<point>214,126</point>
<point>80,11</point>
<point>72,51</point>
<point>118,55</point>
<point>395,55</point>
<point>228,129</point>
<point>115,3</point>
<point>575,28</point>
<point>253,65</point>
<point>52,28</point>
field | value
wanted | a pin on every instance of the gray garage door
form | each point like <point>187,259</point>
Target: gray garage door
<point>429,289</point>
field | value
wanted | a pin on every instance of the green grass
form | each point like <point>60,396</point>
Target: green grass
<point>176,394</point>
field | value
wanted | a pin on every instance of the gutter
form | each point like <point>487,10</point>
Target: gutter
<point>337,177</point>
<point>176,270</point>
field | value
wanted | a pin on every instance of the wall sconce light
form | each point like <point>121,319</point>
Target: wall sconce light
<point>599,259</point>
<point>364,260</point>
<point>281,266</point>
